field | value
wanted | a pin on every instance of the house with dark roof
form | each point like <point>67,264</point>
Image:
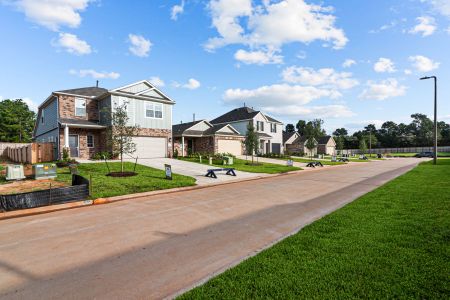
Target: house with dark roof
<point>326,145</point>
<point>77,119</point>
<point>269,130</point>
<point>204,137</point>
<point>296,144</point>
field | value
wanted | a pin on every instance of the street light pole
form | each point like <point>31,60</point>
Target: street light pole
<point>435,116</point>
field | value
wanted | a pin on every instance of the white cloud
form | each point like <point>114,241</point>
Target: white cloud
<point>156,81</point>
<point>383,90</point>
<point>52,13</point>
<point>426,26</point>
<point>384,65</point>
<point>192,84</point>
<point>94,74</point>
<point>72,44</point>
<point>31,104</point>
<point>358,125</point>
<point>325,111</point>
<point>440,6</point>
<point>177,10</point>
<point>258,57</point>
<point>140,46</point>
<point>325,77</point>
<point>272,24</point>
<point>348,63</point>
<point>407,72</point>
<point>281,94</point>
<point>423,64</point>
<point>448,30</point>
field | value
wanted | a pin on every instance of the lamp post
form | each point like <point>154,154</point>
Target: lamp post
<point>435,115</point>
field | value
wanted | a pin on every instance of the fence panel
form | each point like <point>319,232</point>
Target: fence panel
<point>30,153</point>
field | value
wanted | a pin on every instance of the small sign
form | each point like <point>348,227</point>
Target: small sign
<point>290,163</point>
<point>168,169</point>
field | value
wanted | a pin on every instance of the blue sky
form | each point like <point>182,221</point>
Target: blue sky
<point>348,62</point>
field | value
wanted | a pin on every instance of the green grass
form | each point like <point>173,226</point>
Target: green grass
<point>390,243</point>
<point>324,162</point>
<point>241,165</point>
<point>148,179</point>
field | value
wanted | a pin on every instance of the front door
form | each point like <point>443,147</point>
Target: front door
<point>190,147</point>
<point>73,145</point>
<point>268,147</point>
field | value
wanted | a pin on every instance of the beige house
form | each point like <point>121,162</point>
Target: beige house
<point>296,144</point>
<point>327,145</point>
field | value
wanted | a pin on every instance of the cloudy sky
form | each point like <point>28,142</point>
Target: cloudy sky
<point>349,62</point>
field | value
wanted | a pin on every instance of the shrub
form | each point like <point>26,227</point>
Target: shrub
<point>65,154</point>
<point>175,153</point>
<point>102,155</point>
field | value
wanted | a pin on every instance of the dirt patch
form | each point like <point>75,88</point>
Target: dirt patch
<point>29,185</point>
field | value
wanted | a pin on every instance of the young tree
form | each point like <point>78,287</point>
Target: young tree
<point>290,128</point>
<point>310,145</point>
<point>251,140</point>
<point>120,133</point>
<point>17,121</point>
<point>362,146</point>
<point>340,143</point>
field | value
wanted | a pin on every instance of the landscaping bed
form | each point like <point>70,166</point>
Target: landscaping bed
<point>147,179</point>
<point>245,165</point>
<point>390,243</point>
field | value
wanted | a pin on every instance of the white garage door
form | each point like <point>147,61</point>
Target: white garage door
<point>230,146</point>
<point>150,147</point>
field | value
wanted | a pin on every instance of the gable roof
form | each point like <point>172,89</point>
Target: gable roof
<point>272,119</point>
<point>141,89</point>
<point>237,114</point>
<point>91,91</point>
<point>287,135</point>
<point>217,129</point>
<point>179,129</point>
<point>324,139</point>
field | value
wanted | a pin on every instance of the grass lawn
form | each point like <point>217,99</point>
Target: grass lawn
<point>390,243</point>
<point>240,165</point>
<point>148,179</point>
<point>324,162</point>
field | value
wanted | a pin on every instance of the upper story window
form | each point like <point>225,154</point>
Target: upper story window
<point>273,127</point>
<point>42,115</point>
<point>80,107</point>
<point>153,110</point>
<point>259,126</point>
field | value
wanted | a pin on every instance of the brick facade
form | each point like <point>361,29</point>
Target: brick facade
<point>84,151</point>
<point>67,108</point>
<point>207,144</point>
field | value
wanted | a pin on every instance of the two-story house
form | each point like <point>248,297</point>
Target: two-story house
<point>270,130</point>
<point>75,119</point>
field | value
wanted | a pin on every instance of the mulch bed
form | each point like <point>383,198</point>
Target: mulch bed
<point>121,174</point>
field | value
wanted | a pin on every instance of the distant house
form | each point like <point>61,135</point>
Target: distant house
<point>77,119</point>
<point>269,130</point>
<point>202,136</point>
<point>294,143</point>
<point>326,145</point>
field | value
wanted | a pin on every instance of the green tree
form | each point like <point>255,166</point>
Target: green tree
<point>340,132</point>
<point>422,128</point>
<point>120,134</point>
<point>290,128</point>
<point>301,125</point>
<point>251,140</point>
<point>17,121</point>
<point>340,143</point>
<point>310,145</point>
<point>362,146</point>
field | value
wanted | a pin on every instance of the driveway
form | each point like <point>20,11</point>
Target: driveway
<point>195,170</point>
<point>158,246</point>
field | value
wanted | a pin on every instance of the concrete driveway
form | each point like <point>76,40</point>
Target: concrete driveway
<point>158,246</point>
<point>195,170</point>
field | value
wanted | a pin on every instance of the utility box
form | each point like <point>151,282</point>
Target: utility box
<point>44,171</point>
<point>14,172</point>
<point>228,160</point>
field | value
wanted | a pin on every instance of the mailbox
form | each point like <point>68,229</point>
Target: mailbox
<point>44,171</point>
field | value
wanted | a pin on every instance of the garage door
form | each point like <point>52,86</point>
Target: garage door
<point>276,148</point>
<point>150,147</point>
<point>230,146</point>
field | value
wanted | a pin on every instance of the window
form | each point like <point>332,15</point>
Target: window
<point>80,107</point>
<point>259,126</point>
<point>153,110</point>
<point>90,141</point>
<point>42,116</point>
<point>273,127</point>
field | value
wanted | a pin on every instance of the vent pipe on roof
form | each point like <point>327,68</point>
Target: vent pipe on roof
<point>96,84</point>
<point>193,117</point>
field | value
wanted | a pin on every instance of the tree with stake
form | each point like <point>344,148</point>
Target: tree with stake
<point>310,145</point>
<point>251,140</point>
<point>120,133</point>
<point>362,146</point>
<point>340,144</point>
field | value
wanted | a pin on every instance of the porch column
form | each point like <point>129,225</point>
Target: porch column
<point>182,146</point>
<point>66,136</point>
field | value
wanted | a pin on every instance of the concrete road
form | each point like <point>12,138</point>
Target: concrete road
<point>157,247</point>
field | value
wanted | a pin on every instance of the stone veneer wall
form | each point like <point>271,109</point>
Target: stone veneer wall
<point>84,151</point>
<point>205,144</point>
<point>67,108</point>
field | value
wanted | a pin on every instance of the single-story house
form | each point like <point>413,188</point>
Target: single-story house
<point>204,137</point>
<point>326,145</point>
<point>294,143</point>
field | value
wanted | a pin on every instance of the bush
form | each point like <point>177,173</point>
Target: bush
<point>102,155</point>
<point>175,153</point>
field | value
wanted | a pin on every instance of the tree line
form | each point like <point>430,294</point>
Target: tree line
<point>16,121</point>
<point>418,133</point>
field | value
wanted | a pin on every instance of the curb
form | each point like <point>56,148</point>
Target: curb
<point>101,201</point>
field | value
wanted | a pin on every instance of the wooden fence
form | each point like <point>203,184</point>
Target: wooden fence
<point>30,153</point>
<point>4,146</point>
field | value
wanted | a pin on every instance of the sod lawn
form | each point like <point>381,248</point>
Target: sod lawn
<point>245,165</point>
<point>148,179</point>
<point>390,243</point>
